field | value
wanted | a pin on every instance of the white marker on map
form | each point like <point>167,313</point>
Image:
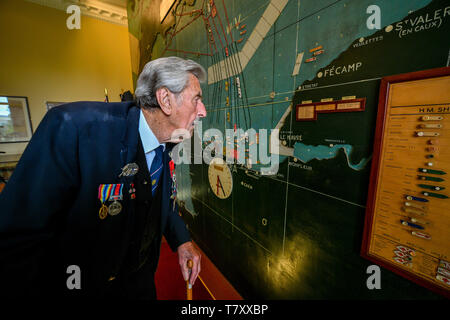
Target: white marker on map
<point>298,63</point>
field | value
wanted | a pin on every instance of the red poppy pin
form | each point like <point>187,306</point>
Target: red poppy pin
<point>174,182</point>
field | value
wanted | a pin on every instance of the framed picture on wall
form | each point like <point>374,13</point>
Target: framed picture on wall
<point>15,122</point>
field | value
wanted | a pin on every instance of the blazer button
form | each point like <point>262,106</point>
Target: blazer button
<point>145,182</point>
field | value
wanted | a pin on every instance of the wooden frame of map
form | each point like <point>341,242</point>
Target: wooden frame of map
<point>407,219</point>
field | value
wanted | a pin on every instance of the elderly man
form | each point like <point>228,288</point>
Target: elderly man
<point>86,208</point>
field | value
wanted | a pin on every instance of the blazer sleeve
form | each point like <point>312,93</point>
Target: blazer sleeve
<point>34,201</point>
<point>176,232</point>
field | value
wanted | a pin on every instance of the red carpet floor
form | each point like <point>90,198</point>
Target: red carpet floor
<point>169,281</point>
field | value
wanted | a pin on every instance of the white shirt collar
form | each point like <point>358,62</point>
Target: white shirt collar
<point>148,138</point>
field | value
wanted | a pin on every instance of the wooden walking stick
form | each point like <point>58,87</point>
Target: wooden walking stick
<point>188,285</point>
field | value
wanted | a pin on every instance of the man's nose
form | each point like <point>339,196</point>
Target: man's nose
<point>201,110</point>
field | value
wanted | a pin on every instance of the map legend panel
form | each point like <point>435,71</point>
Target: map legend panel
<point>407,217</point>
<point>308,111</point>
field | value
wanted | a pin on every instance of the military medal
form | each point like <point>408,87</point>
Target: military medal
<point>114,208</point>
<point>129,170</point>
<point>132,191</point>
<point>102,192</point>
<point>116,194</point>
<point>103,212</point>
<point>111,192</point>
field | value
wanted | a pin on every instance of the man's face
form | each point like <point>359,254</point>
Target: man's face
<point>188,106</point>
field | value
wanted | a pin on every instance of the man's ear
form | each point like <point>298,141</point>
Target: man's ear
<point>163,97</point>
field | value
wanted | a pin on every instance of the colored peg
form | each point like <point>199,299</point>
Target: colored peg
<point>426,134</point>
<point>431,118</point>
<point>410,224</point>
<point>429,178</point>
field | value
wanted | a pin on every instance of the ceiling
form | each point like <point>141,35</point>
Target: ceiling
<point>114,11</point>
<point>119,3</point>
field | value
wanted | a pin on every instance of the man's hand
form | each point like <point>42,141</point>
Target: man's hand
<point>187,251</point>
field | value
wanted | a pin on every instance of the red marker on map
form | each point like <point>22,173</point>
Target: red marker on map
<point>316,53</point>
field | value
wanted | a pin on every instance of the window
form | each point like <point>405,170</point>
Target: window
<point>15,123</point>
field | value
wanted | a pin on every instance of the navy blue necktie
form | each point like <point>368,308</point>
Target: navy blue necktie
<point>156,168</point>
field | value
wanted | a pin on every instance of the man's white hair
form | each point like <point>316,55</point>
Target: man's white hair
<point>171,73</point>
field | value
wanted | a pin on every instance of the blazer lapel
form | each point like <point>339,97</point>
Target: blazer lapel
<point>166,190</point>
<point>130,137</point>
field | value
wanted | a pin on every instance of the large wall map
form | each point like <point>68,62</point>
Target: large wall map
<point>311,69</point>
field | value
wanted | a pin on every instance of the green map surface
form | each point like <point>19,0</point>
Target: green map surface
<point>296,234</point>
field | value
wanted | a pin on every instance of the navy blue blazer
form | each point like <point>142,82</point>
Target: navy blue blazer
<point>49,208</point>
